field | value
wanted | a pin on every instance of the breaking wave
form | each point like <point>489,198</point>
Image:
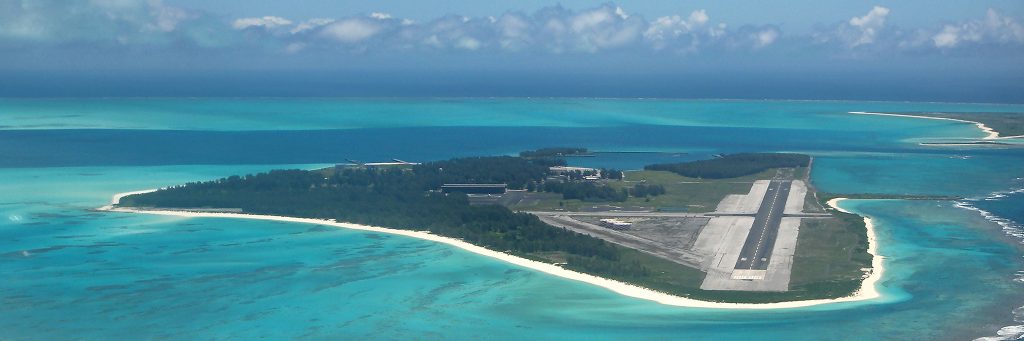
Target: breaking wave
<point>1011,228</point>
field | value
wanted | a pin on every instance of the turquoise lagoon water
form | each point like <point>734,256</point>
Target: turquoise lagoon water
<point>72,273</point>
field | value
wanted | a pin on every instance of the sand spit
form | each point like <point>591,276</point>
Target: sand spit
<point>866,292</point>
<point>868,288</point>
<point>992,134</point>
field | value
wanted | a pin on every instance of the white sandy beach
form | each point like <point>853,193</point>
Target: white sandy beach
<point>992,134</point>
<point>867,291</point>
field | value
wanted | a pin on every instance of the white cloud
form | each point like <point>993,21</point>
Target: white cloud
<point>468,43</point>
<point>948,37</point>
<point>550,30</point>
<point>859,32</point>
<point>697,18</point>
<point>1002,28</point>
<point>265,22</point>
<point>433,41</point>
<point>995,28</point>
<point>868,25</point>
<point>351,30</point>
<point>663,30</point>
<point>590,20</point>
<point>311,24</point>
<point>97,22</point>
<point>601,28</point>
<point>380,15</point>
<point>765,37</point>
<point>621,13</point>
<point>515,32</point>
<point>294,48</point>
<point>167,17</point>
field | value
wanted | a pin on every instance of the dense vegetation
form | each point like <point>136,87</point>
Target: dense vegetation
<point>733,165</point>
<point>398,198</point>
<point>611,174</point>
<point>514,171</point>
<point>553,152</point>
<point>586,191</point>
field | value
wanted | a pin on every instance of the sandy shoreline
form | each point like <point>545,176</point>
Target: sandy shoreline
<point>992,134</point>
<point>867,291</point>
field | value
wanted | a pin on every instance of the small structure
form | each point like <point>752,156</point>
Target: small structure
<point>576,173</point>
<point>615,224</point>
<point>474,188</point>
<point>567,169</point>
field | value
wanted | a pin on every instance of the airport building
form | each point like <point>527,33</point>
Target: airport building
<point>615,224</point>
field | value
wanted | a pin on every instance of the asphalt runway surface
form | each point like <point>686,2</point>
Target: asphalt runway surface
<point>757,249</point>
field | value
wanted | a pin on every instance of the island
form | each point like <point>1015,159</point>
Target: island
<point>998,125</point>
<point>740,228</point>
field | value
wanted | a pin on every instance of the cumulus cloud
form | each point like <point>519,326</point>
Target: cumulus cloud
<point>99,22</point>
<point>265,22</point>
<point>663,31</point>
<point>995,28</point>
<point>515,32</point>
<point>858,31</point>
<point>869,25</point>
<point>602,28</point>
<point>765,37</point>
<point>310,24</point>
<point>550,30</point>
<point>468,43</point>
<point>380,15</point>
<point>948,37</point>
<point>166,18</point>
<point>351,30</point>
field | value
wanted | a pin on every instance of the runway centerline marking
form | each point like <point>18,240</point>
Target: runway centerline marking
<point>768,218</point>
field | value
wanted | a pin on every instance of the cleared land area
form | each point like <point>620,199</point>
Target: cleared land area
<point>668,238</point>
<point>831,254</point>
<point>682,194</point>
<point>745,245</point>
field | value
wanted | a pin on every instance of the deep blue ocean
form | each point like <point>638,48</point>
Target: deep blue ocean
<point>952,267</point>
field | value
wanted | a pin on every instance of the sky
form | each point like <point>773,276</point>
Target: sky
<point>967,51</point>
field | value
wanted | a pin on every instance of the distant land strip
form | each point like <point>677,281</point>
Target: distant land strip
<point>998,125</point>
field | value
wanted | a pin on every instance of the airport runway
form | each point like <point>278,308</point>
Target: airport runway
<point>757,249</point>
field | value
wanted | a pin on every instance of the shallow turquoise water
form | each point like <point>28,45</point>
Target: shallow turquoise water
<point>72,273</point>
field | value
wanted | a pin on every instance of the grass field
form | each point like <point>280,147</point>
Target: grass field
<point>669,277</point>
<point>829,250</point>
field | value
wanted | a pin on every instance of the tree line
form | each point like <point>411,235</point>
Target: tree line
<point>553,152</point>
<point>733,165</point>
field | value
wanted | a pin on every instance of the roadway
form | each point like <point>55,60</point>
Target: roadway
<point>757,249</point>
<point>650,214</point>
<point>615,214</point>
<point>659,248</point>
